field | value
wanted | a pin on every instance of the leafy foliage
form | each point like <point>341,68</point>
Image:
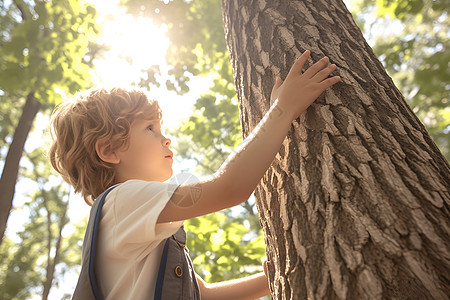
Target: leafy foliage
<point>11,108</point>
<point>224,249</point>
<point>215,128</point>
<point>195,30</point>
<point>415,56</point>
<point>43,45</point>
<point>44,50</point>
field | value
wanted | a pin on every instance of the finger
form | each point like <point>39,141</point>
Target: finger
<point>297,67</point>
<point>324,73</point>
<point>316,67</point>
<point>278,83</point>
<point>329,82</point>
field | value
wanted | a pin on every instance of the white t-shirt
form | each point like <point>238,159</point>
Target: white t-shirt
<point>129,240</point>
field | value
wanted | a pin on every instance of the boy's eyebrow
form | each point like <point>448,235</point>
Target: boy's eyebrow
<point>157,122</point>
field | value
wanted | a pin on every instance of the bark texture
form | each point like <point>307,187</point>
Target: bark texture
<point>356,203</point>
<point>11,166</point>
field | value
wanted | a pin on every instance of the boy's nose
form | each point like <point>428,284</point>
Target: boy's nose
<point>167,142</point>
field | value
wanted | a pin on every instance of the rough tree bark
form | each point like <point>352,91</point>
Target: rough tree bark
<point>11,166</point>
<point>356,203</point>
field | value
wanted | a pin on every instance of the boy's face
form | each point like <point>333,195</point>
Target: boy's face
<point>146,158</point>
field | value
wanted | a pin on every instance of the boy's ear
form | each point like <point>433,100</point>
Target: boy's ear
<point>104,151</point>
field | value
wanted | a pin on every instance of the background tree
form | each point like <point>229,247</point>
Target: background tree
<point>414,55</point>
<point>36,263</point>
<point>356,203</point>
<point>42,55</point>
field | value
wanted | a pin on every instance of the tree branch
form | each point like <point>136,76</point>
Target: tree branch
<point>21,9</point>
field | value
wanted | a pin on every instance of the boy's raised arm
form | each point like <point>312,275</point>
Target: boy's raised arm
<point>242,171</point>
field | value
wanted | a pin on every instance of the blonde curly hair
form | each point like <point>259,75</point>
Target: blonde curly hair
<point>96,114</point>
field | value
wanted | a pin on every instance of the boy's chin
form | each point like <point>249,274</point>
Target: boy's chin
<point>168,176</point>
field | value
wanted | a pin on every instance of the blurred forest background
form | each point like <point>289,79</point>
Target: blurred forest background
<point>48,51</point>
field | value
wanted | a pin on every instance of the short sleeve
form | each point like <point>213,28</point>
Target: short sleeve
<point>136,205</point>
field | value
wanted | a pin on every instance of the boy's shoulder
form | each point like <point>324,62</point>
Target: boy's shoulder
<point>136,191</point>
<point>138,184</point>
<point>135,182</point>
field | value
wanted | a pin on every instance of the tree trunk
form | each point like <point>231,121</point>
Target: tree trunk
<point>51,263</point>
<point>11,166</point>
<point>356,203</point>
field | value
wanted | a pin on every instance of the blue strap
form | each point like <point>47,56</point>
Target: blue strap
<point>193,275</point>
<point>92,278</point>
<point>162,269</point>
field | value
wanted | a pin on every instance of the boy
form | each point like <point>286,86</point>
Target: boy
<point>113,138</point>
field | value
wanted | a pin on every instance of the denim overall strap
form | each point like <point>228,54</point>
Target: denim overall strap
<point>162,269</point>
<point>92,278</point>
<point>87,288</point>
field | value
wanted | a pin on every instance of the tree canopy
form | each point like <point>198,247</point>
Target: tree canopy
<point>415,56</point>
<point>43,51</point>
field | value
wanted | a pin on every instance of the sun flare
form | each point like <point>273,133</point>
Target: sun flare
<point>134,45</point>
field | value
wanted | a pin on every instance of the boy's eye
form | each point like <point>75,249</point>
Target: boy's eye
<point>150,128</point>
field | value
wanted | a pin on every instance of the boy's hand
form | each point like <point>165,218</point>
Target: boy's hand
<point>299,91</point>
